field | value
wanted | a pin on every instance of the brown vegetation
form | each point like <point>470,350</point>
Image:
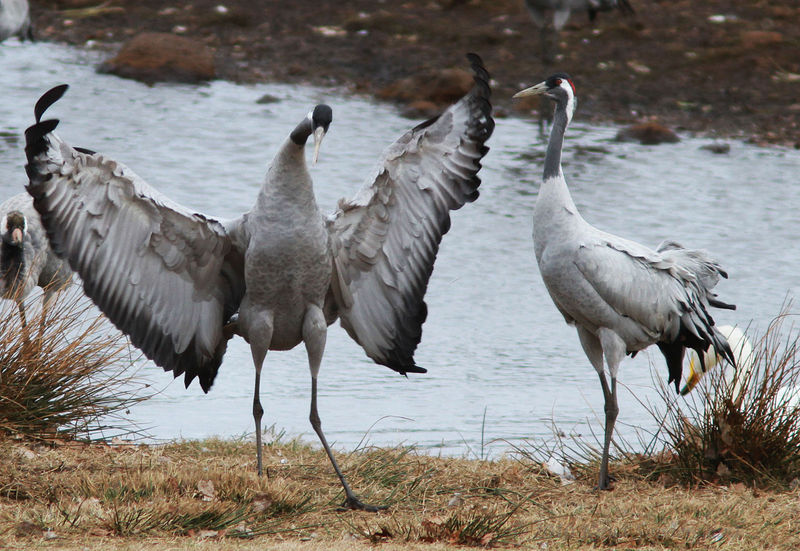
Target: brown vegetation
<point>68,374</point>
<point>68,494</point>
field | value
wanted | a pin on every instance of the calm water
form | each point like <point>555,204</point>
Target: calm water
<point>493,341</point>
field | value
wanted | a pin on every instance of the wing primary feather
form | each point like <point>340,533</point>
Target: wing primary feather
<point>48,99</point>
<point>716,303</point>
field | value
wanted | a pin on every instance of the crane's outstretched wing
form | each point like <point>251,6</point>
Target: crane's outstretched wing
<point>385,239</point>
<point>666,295</point>
<point>164,275</point>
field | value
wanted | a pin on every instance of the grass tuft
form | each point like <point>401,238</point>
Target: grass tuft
<point>473,529</point>
<point>742,426</point>
<point>67,374</point>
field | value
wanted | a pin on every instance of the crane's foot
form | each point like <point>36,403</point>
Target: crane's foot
<point>355,504</point>
<point>605,485</point>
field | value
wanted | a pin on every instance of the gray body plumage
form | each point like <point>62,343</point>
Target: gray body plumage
<point>15,19</point>
<point>295,251</point>
<point>173,279</point>
<point>621,296</point>
<point>30,263</point>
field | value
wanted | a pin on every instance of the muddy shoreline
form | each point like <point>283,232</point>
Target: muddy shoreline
<point>722,68</point>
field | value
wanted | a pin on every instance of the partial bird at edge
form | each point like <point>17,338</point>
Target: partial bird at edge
<point>15,20</point>
<point>561,10</point>
<point>26,259</point>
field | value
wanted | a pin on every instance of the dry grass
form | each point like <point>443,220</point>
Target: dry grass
<point>69,494</point>
<point>198,494</point>
<point>67,376</point>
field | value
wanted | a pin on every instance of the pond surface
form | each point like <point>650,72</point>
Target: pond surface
<point>502,364</point>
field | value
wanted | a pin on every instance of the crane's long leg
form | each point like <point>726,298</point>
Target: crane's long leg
<point>596,346</point>
<point>547,58</point>
<point>314,335</point>
<point>26,336</point>
<point>47,301</point>
<point>614,349</point>
<point>260,336</point>
<point>611,409</point>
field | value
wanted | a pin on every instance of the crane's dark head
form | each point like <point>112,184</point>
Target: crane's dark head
<point>316,123</point>
<point>321,118</point>
<point>557,87</point>
<point>14,227</point>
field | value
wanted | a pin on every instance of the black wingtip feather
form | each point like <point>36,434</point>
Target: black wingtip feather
<point>35,143</point>
<point>48,99</point>
<point>673,354</point>
<point>721,305</point>
<point>34,135</point>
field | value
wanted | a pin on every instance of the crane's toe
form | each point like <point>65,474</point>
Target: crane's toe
<point>353,503</point>
<point>606,484</point>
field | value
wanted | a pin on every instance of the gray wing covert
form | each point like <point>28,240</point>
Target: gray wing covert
<point>665,294</point>
<point>637,286</point>
<point>386,238</point>
<point>167,277</point>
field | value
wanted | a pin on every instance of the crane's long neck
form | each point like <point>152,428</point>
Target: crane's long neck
<point>288,181</point>
<point>555,210</point>
<point>552,160</point>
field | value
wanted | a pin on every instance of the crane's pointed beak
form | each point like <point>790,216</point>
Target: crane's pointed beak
<point>691,380</point>
<point>535,90</point>
<point>16,236</point>
<point>319,133</point>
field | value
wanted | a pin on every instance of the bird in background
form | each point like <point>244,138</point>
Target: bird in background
<point>181,283</point>
<point>26,259</point>
<point>787,396</point>
<point>557,12</point>
<point>620,296</point>
<point>742,352</point>
<point>15,19</point>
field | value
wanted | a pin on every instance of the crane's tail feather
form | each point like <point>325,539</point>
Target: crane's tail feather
<point>721,305</point>
<point>697,332</point>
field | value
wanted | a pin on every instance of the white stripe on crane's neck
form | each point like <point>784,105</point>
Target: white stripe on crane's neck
<point>572,101</point>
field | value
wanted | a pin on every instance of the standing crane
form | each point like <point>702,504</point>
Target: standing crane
<point>26,259</point>
<point>620,296</point>
<point>560,11</point>
<point>174,279</point>
<point>15,19</point>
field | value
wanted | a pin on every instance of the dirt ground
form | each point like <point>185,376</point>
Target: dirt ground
<point>728,68</point>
